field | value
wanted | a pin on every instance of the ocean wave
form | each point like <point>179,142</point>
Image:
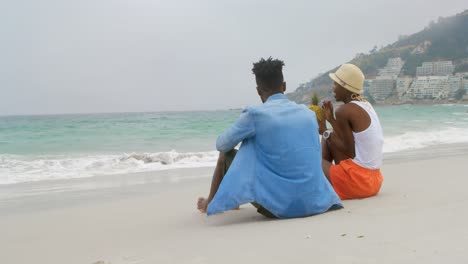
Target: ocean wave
<point>417,140</point>
<point>17,169</point>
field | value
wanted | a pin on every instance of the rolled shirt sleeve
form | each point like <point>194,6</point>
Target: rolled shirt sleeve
<point>243,128</point>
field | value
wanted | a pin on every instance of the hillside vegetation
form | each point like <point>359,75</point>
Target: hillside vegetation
<point>445,39</point>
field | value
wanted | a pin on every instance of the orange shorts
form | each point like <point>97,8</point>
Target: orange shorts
<point>352,181</point>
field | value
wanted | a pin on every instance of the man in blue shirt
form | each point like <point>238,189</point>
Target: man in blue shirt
<point>278,166</point>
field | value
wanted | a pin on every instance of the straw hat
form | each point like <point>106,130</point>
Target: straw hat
<point>350,77</point>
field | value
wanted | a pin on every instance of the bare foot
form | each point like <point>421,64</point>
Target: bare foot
<point>202,204</point>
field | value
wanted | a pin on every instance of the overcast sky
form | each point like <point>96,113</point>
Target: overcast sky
<point>62,56</point>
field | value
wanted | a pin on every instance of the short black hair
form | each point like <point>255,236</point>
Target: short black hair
<point>269,73</point>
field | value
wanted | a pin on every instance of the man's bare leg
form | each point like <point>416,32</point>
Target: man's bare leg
<point>326,159</point>
<point>218,175</point>
<point>329,155</point>
<point>326,155</point>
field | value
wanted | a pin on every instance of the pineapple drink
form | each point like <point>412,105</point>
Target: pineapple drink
<point>316,108</point>
<point>318,111</point>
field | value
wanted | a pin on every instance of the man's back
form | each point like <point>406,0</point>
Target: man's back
<point>368,142</point>
<point>278,164</point>
<point>286,138</point>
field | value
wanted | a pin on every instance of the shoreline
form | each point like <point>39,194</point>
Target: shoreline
<point>115,181</point>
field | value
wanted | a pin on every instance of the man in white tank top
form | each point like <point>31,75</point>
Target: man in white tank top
<point>352,149</point>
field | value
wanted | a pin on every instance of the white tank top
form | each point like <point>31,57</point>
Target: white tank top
<point>369,142</point>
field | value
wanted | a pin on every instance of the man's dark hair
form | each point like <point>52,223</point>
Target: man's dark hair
<point>269,73</point>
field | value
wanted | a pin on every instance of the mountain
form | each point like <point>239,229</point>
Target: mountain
<point>446,39</point>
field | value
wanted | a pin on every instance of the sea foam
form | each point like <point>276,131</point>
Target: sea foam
<point>17,169</point>
<point>417,140</point>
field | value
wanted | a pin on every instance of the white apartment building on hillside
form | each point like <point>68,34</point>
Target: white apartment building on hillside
<point>430,87</point>
<point>384,84</point>
<point>454,84</point>
<point>382,88</point>
<point>439,68</point>
<point>402,86</point>
<point>392,70</point>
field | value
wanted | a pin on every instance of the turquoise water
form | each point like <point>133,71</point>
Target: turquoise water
<point>68,146</point>
<point>397,119</point>
<point>112,133</point>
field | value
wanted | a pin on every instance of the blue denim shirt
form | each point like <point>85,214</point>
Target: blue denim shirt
<point>278,164</point>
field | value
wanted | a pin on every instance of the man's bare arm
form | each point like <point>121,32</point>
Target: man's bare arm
<point>342,137</point>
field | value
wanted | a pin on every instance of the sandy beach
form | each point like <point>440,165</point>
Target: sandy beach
<point>113,113</point>
<point>419,217</point>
